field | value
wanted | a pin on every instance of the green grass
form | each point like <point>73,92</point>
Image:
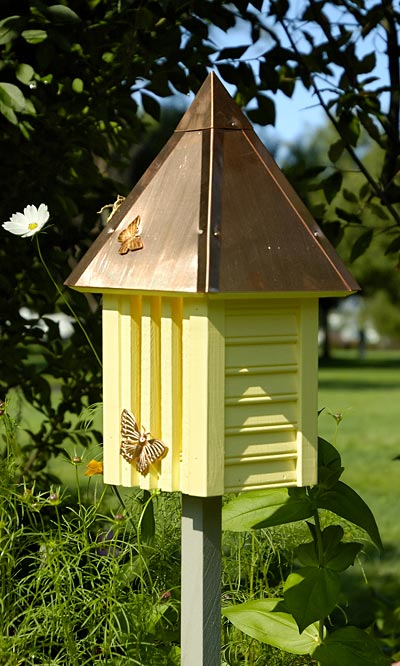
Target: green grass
<point>367,393</point>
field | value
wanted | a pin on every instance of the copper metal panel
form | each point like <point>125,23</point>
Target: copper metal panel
<point>217,215</point>
<point>213,107</point>
<point>167,199</point>
<point>345,279</point>
<point>267,243</point>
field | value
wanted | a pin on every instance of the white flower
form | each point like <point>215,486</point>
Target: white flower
<point>29,222</point>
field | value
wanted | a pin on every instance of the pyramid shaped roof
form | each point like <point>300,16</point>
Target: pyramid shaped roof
<point>217,216</point>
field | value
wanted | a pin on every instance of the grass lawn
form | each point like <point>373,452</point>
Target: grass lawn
<point>367,393</point>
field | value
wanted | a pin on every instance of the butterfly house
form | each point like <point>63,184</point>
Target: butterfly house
<point>210,271</point>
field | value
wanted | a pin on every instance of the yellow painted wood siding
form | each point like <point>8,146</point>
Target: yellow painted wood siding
<point>270,425</point>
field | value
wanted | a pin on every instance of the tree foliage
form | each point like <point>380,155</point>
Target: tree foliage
<point>69,119</point>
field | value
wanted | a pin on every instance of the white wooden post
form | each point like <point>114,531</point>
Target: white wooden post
<point>201,581</point>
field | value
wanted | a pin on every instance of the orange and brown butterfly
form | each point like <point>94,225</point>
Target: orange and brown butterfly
<point>138,446</point>
<point>130,238</point>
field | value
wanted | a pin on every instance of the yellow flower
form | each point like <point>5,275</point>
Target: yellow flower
<point>94,467</point>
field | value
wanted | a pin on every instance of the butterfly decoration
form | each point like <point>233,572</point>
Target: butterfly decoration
<point>130,238</point>
<point>139,446</point>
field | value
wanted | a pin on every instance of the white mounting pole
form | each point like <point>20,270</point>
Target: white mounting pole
<point>201,581</point>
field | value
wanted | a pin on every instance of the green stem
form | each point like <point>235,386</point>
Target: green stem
<point>320,553</point>
<point>252,564</point>
<point>78,487</point>
<point>70,308</point>
<point>122,503</point>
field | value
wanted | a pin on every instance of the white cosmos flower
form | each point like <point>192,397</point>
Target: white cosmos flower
<point>29,222</point>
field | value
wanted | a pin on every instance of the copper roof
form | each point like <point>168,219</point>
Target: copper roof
<point>217,215</point>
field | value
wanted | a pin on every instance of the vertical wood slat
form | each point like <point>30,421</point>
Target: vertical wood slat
<point>132,398</point>
<point>215,441</point>
<point>125,351</point>
<point>150,413</point>
<point>111,389</point>
<point>171,390</point>
<point>201,581</point>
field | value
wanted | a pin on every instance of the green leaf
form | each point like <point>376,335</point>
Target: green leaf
<point>7,29</point>
<point>350,646</point>
<point>346,215</point>
<point>346,503</point>
<point>24,73</point>
<point>265,113</point>
<point>287,80</point>
<point>362,244</point>
<point>334,231</point>
<point>369,125</point>
<point>306,553</point>
<point>394,246</point>
<point>108,56</point>
<point>349,128</point>
<point>228,73</point>
<point>332,185</point>
<point>350,196</point>
<point>336,554</point>
<point>258,619</point>
<point>328,456</point>
<point>343,556</point>
<point>61,14</point>
<point>378,211</point>
<point>77,85</point>
<point>367,64</point>
<point>8,113</point>
<point>264,508</point>
<point>147,522</point>
<point>311,594</point>
<point>12,96</point>
<point>365,190</point>
<point>232,52</point>
<point>336,150</point>
<point>144,19</point>
<point>34,36</point>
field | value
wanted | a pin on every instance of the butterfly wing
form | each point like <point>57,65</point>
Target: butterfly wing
<point>124,235</point>
<point>153,449</point>
<point>135,243</point>
<point>131,445</point>
<point>129,237</point>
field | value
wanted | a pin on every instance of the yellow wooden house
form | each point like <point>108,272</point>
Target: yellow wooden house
<point>210,321</point>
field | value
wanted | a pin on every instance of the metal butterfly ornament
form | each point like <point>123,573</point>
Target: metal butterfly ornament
<point>130,237</point>
<point>139,446</point>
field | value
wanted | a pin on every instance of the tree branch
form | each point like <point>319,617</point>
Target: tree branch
<point>375,185</point>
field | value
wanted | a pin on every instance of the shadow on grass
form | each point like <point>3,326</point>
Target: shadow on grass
<point>360,374</point>
<point>368,362</point>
